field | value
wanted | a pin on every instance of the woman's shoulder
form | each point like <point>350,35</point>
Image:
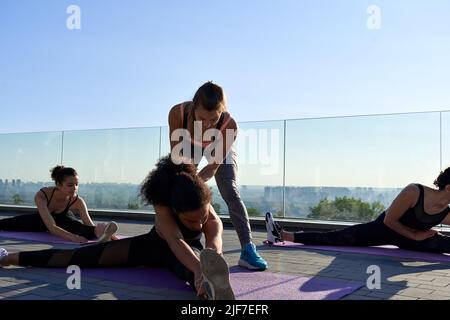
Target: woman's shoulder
<point>79,198</point>
<point>409,195</point>
<point>228,121</point>
<point>45,193</point>
<point>426,189</point>
<point>176,113</point>
<point>412,190</point>
<point>46,190</point>
<point>78,202</point>
<point>180,107</point>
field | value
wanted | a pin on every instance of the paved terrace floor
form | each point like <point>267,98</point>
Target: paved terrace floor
<point>402,279</point>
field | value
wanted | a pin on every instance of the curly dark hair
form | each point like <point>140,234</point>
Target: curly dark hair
<point>443,179</point>
<point>176,186</point>
<point>59,173</point>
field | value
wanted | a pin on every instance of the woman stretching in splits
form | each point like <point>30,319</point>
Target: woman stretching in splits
<point>53,204</point>
<point>183,212</point>
<point>407,223</point>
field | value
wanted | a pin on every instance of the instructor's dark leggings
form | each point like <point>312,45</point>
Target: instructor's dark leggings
<point>34,223</point>
<point>373,233</point>
<point>145,250</point>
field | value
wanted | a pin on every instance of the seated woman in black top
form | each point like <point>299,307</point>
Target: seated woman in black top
<point>408,223</point>
<point>55,206</point>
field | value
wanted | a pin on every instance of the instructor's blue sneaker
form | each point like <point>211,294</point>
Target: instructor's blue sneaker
<point>250,259</point>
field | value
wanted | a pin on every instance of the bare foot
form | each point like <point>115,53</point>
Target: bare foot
<point>100,229</point>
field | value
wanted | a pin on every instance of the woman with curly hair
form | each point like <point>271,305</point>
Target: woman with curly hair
<point>183,213</point>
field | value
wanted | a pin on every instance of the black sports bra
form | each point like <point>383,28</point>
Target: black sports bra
<point>69,204</point>
<point>417,218</point>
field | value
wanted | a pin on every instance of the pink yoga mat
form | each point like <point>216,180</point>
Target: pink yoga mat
<point>40,236</point>
<point>246,285</point>
<point>388,250</point>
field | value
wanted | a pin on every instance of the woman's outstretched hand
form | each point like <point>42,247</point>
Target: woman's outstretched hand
<point>78,239</point>
<point>422,235</point>
<point>201,291</point>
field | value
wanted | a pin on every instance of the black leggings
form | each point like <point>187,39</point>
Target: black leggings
<point>373,233</point>
<point>145,250</point>
<point>34,223</point>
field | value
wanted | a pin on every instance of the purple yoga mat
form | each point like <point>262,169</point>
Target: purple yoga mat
<point>388,250</point>
<point>155,278</point>
<point>40,236</point>
<point>266,285</point>
<point>246,285</point>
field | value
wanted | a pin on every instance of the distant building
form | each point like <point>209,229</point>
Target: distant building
<point>273,193</point>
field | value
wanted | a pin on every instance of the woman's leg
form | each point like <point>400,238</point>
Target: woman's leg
<point>439,243</point>
<point>226,176</point>
<point>69,223</point>
<point>25,222</point>
<point>129,252</point>
<point>180,269</point>
<point>144,250</point>
<point>365,234</point>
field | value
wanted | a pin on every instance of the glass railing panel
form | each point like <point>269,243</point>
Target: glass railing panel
<point>112,164</point>
<point>352,168</point>
<point>259,149</point>
<point>25,163</point>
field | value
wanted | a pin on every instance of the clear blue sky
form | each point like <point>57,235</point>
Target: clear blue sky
<point>132,60</point>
